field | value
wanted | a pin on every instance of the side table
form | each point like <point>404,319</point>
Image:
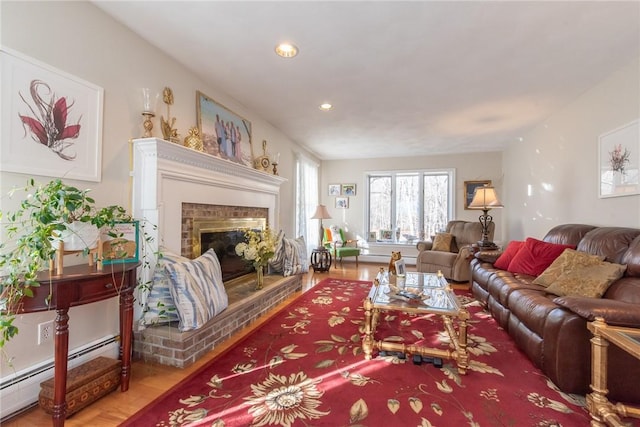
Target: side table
<point>321,259</point>
<point>79,285</point>
<point>604,413</point>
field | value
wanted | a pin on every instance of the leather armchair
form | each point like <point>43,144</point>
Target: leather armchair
<point>453,263</point>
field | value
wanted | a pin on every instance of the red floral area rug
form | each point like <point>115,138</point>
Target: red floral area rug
<point>306,367</point>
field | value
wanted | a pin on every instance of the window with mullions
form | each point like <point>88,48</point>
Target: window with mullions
<point>404,207</point>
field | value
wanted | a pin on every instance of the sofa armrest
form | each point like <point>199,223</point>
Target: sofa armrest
<point>424,245</point>
<point>488,256</point>
<point>615,313</point>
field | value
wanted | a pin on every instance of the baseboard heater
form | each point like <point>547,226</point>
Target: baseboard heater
<point>19,392</point>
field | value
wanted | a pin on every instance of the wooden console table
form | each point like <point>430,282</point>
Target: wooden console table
<point>603,412</point>
<point>79,285</point>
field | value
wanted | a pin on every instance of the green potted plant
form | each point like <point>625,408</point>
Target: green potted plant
<point>49,213</point>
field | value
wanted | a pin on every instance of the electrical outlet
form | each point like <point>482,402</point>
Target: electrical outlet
<point>45,332</point>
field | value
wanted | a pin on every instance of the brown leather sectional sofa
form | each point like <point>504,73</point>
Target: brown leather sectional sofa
<point>551,330</point>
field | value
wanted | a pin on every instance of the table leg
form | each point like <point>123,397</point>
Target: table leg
<point>603,413</point>
<point>367,341</point>
<point>61,345</point>
<point>463,354</point>
<point>126,326</point>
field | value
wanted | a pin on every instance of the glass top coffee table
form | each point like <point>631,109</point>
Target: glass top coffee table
<point>602,411</point>
<point>419,293</point>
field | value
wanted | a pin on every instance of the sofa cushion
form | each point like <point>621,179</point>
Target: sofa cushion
<point>198,290</point>
<point>615,313</point>
<point>569,260</point>
<point>535,256</point>
<point>587,281</point>
<point>611,242</point>
<point>505,258</point>
<point>626,289</point>
<point>442,242</point>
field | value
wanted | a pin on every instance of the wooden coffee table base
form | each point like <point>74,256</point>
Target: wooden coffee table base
<point>604,413</point>
<point>458,339</point>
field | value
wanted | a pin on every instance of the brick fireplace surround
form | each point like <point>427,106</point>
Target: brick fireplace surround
<point>173,185</point>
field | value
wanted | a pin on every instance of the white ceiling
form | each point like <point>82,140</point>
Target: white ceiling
<point>406,78</point>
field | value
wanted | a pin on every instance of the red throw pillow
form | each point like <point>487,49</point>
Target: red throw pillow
<point>505,258</point>
<point>535,256</point>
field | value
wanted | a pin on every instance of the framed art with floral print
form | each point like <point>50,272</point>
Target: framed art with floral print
<point>51,120</point>
<point>619,161</point>
<point>224,133</point>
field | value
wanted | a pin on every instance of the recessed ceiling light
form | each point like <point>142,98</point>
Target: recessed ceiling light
<point>325,107</point>
<point>286,50</point>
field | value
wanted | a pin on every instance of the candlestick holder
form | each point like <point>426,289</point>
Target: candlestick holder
<point>274,161</point>
<point>147,123</point>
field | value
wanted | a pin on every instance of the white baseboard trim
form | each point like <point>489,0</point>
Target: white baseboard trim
<point>384,259</point>
<point>19,391</point>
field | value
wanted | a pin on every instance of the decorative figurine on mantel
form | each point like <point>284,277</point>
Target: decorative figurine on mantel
<point>169,133</point>
<point>193,140</point>
<point>263,162</point>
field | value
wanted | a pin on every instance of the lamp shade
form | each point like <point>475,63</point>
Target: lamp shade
<point>321,213</point>
<point>485,198</point>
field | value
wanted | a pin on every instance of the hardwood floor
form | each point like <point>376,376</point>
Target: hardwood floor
<point>148,381</point>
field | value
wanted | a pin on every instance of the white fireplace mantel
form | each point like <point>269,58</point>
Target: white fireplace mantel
<point>166,174</point>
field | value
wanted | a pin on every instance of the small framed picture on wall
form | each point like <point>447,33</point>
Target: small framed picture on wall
<point>334,189</point>
<point>470,187</point>
<point>342,202</point>
<point>348,189</point>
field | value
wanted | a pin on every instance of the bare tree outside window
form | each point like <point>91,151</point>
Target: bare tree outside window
<point>408,206</point>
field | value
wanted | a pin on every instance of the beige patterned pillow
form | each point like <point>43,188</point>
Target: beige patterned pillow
<point>590,281</point>
<point>442,242</point>
<point>568,261</point>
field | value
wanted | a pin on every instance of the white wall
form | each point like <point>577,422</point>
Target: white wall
<point>552,176</point>
<point>468,167</point>
<point>80,39</point>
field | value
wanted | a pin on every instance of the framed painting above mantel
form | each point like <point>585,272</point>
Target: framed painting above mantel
<point>224,133</point>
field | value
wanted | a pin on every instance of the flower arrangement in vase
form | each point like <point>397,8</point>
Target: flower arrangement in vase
<point>258,249</point>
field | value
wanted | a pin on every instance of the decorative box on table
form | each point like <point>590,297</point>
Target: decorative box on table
<point>85,384</point>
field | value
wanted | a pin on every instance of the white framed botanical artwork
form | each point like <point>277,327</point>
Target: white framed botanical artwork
<point>619,161</point>
<point>51,120</point>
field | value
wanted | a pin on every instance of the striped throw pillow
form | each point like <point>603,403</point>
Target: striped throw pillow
<point>197,290</point>
<point>159,307</point>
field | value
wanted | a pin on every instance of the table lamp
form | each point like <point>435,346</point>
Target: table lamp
<point>321,213</point>
<point>485,198</point>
